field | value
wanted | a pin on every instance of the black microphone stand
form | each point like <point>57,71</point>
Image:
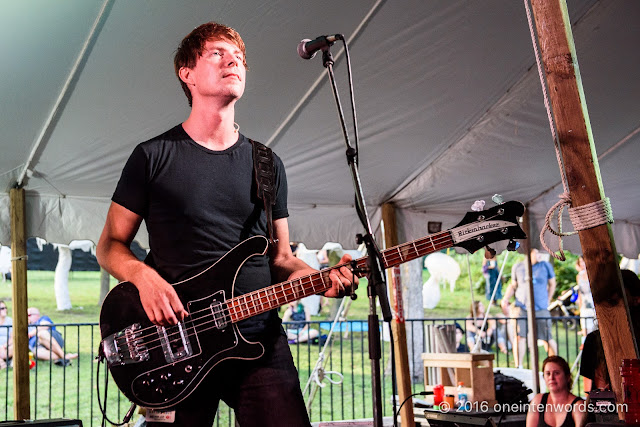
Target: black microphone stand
<point>375,265</point>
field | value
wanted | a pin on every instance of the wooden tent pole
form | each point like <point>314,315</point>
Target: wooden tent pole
<point>532,325</point>
<point>21,399</point>
<point>398,326</point>
<point>583,178</point>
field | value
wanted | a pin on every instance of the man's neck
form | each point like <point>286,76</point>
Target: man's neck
<point>212,127</point>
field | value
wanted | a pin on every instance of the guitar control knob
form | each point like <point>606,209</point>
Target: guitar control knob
<point>147,382</point>
<point>159,390</point>
<point>188,368</point>
<point>178,382</point>
<point>166,376</point>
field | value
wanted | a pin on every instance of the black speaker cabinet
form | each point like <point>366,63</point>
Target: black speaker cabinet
<point>470,419</point>
<point>58,422</point>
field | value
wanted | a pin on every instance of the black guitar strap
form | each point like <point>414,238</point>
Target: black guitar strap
<point>264,173</point>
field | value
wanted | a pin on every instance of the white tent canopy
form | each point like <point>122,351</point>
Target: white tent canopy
<point>448,96</point>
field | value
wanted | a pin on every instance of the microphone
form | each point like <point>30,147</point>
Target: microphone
<point>307,48</point>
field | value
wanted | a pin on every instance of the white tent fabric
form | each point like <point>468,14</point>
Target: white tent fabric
<point>449,105</point>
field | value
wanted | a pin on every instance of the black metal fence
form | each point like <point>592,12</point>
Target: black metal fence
<point>334,371</point>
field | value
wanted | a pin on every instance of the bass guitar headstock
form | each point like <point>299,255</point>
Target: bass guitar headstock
<point>481,228</point>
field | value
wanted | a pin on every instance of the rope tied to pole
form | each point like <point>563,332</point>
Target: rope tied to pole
<point>582,217</point>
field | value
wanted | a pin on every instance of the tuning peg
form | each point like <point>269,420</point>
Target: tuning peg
<point>478,205</point>
<point>489,252</point>
<point>513,245</point>
<point>497,199</point>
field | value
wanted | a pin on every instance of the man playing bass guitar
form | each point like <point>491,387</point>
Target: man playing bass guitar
<point>194,187</point>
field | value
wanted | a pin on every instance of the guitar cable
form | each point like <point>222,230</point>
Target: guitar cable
<point>103,410</point>
<point>420,393</point>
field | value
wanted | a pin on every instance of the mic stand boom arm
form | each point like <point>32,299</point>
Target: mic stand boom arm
<point>375,277</point>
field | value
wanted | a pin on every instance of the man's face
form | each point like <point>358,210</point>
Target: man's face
<point>535,256</point>
<point>219,72</point>
<point>33,315</point>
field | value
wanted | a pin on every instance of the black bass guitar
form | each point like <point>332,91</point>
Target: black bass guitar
<point>157,367</point>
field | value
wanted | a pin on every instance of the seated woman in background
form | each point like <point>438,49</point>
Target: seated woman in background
<point>474,327</point>
<point>301,332</point>
<point>505,336</point>
<point>559,407</point>
<point>6,336</point>
<point>460,346</point>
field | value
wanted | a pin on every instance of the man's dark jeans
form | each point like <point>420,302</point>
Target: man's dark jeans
<point>263,392</point>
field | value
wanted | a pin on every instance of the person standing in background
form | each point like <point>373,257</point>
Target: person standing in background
<point>585,299</point>
<point>491,272</point>
<point>544,286</point>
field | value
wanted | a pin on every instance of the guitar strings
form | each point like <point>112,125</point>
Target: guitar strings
<point>234,307</point>
<point>433,243</point>
<point>191,331</point>
<point>234,311</point>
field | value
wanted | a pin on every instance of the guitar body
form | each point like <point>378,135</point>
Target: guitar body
<point>158,367</point>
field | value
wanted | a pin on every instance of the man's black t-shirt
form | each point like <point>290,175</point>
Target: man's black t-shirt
<point>198,204</point>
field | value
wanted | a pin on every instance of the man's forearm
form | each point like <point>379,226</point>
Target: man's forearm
<point>117,258</point>
<point>551,289</point>
<point>509,292</point>
<point>283,268</point>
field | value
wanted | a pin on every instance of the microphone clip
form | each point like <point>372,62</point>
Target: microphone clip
<point>307,48</point>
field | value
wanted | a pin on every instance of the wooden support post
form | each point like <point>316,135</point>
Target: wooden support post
<point>532,325</point>
<point>398,327</point>
<point>21,402</point>
<point>583,177</point>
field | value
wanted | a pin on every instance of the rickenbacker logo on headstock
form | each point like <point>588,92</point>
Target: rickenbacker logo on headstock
<point>470,231</point>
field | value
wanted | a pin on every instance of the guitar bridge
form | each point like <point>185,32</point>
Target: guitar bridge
<point>175,342</point>
<point>125,347</point>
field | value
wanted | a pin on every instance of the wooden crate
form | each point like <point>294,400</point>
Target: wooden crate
<point>474,370</point>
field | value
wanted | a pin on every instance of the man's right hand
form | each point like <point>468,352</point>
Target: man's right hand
<point>160,301</point>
